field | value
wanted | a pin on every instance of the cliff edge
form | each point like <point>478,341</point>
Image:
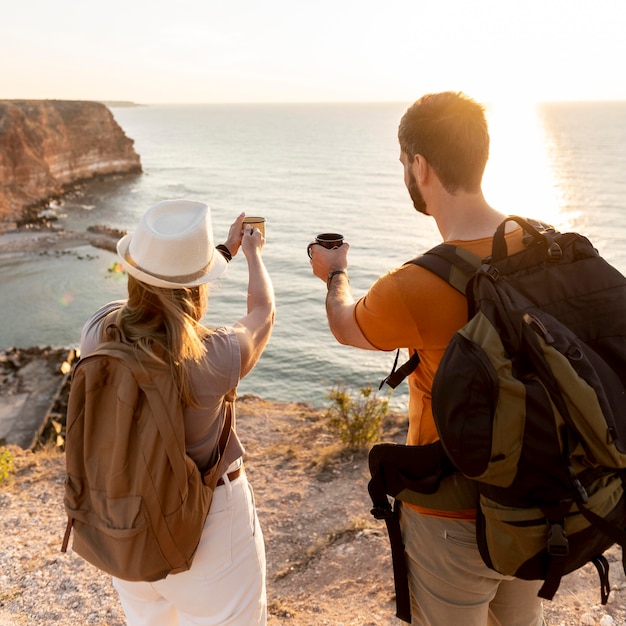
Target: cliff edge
<point>46,146</point>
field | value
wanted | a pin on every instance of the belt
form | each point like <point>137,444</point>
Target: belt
<point>231,476</point>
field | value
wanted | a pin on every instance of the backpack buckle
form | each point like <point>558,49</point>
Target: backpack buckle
<point>554,251</point>
<point>382,512</point>
<point>558,545</point>
<point>580,489</point>
<point>490,270</point>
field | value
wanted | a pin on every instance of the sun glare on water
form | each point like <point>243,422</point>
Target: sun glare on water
<point>519,178</point>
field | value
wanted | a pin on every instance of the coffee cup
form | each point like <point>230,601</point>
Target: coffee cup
<point>255,222</point>
<point>326,240</point>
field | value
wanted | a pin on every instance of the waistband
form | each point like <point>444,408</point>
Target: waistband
<point>231,476</point>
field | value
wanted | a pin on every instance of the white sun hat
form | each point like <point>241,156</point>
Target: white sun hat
<point>173,246</point>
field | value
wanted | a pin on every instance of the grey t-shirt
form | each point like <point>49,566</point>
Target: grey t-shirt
<point>214,378</point>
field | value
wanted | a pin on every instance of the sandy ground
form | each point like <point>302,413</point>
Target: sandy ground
<point>328,559</point>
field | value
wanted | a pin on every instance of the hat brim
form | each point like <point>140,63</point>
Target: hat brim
<point>217,268</point>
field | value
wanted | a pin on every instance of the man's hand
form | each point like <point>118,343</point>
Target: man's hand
<point>339,299</point>
<point>324,261</point>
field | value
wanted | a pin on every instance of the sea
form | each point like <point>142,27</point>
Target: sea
<point>311,168</point>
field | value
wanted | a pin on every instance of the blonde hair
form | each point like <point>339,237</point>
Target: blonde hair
<point>165,324</point>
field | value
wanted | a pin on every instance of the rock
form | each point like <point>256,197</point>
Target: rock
<point>47,146</point>
<point>33,391</point>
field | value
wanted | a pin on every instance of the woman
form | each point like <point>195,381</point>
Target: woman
<point>170,260</point>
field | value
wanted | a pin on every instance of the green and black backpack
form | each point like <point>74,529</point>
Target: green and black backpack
<point>530,403</point>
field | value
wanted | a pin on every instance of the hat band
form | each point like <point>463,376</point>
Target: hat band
<point>181,278</point>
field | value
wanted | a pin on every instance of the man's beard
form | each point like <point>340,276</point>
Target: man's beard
<point>416,194</point>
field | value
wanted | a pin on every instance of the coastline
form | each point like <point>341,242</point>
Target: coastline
<point>48,147</point>
<point>34,385</point>
<point>34,381</point>
<point>47,235</point>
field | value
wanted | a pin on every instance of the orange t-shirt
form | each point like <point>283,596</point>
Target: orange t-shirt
<point>410,307</point>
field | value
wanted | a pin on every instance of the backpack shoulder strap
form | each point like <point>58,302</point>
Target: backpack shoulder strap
<point>451,263</point>
<point>535,232</point>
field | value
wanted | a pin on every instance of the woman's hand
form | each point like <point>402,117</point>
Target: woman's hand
<point>233,241</point>
<point>252,240</point>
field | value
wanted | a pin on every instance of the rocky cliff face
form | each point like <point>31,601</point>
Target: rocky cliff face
<point>48,145</point>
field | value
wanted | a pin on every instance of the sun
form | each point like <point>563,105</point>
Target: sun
<point>519,178</point>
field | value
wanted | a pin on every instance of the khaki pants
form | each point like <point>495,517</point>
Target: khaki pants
<point>226,582</point>
<point>450,584</point>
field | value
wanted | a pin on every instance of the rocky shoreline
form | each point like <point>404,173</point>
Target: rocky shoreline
<point>34,384</point>
<point>34,381</point>
<point>48,146</point>
<point>46,234</point>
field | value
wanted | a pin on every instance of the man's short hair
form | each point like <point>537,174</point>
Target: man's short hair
<point>450,131</point>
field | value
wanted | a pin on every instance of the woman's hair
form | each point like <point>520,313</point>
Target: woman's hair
<point>450,131</point>
<point>165,324</point>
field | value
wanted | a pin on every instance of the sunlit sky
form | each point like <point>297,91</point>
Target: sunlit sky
<point>326,50</point>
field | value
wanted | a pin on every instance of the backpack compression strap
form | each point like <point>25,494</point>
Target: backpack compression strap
<point>454,265</point>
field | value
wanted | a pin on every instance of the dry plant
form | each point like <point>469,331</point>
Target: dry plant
<point>356,417</point>
<point>6,464</point>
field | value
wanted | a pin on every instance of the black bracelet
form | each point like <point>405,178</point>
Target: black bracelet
<point>334,273</point>
<point>225,252</point>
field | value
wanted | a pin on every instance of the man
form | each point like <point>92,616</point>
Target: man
<point>444,146</point>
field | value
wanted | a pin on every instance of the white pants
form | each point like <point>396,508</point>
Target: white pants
<point>226,583</point>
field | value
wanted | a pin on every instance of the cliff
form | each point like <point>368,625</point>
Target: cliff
<point>46,146</point>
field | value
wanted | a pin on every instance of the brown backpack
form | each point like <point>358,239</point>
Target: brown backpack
<point>136,501</point>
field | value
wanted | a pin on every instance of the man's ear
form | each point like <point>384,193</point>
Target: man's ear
<point>421,169</point>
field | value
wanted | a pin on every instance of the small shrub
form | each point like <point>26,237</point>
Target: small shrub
<point>6,464</point>
<point>356,417</point>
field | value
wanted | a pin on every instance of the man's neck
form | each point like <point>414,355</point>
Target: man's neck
<point>465,216</point>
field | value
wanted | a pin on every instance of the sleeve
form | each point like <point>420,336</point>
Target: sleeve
<point>90,335</point>
<point>384,317</point>
<point>223,359</point>
<point>410,307</point>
